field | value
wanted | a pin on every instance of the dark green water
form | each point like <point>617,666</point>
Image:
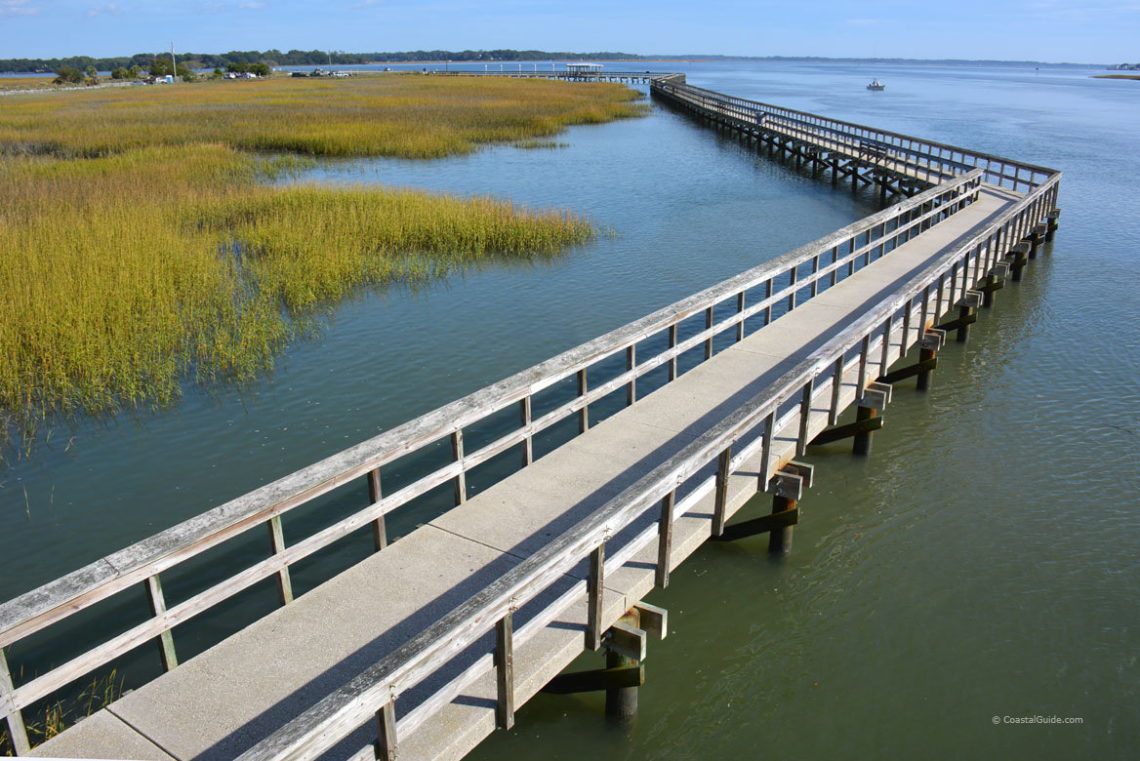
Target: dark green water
<point>983,562</point>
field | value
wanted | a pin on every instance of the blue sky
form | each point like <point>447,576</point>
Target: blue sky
<point>1102,31</point>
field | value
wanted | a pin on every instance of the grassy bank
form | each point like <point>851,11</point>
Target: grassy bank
<point>139,245</point>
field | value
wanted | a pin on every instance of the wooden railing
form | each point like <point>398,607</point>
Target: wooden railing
<point>761,294</point>
<point>784,405</point>
<point>939,159</point>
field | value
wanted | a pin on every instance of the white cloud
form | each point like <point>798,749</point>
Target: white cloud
<point>107,9</point>
<point>16,8</point>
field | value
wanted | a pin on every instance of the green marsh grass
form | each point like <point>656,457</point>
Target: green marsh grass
<point>141,246</point>
<point>56,716</point>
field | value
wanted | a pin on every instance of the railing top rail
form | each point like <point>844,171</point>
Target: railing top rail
<point>41,606</point>
<point>348,707</point>
<point>852,125</point>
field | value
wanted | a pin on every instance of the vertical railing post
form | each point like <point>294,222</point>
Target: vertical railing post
<point>805,417</point>
<point>505,672</point>
<point>385,749</point>
<point>158,605</point>
<point>953,285</point>
<point>905,329</point>
<point>630,366</point>
<point>720,504</point>
<point>884,355</point>
<point>924,313</point>
<point>277,539</point>
<point>375,493</point>
<point>708,326</point>
<point>836,387</point>
<point>595,597</point>
<point>17,732</point>
<point>766,449</point>
<point>673,345</point>
<point>460,483</point>
<point>584,413</point>
<point>665,539</point>
<point>739,309</point>
<point>941,292</point>
<point>524,422</point>
<point>864,351</point>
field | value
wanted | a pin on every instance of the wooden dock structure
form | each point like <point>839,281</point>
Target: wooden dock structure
<point>625,77</point>
<point>425,647</point>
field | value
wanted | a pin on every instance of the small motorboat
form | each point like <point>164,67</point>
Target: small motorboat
<point>876,85</point>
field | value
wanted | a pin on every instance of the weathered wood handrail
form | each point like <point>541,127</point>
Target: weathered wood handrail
<point>1003,172</point>
<point>374,692</point>
<point>785,281</point>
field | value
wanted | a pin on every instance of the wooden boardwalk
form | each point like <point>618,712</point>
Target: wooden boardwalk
<point>430,643</point>
<point>625,77</point>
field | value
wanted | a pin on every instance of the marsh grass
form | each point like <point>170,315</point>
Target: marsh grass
<point>58,715</point>
<point>25,83</point>
<point>140,245</point>
<point>539,144</point>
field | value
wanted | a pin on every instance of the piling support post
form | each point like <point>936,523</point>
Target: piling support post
<point>932,341</point>
<point>1035,239</point>
<point>625,649</point>
<point>875,398</point>
<point>995,281</point>
<point>787,488</point>
<point>967,316</point>
<point>1051,224</point>
<point>1020,256</point>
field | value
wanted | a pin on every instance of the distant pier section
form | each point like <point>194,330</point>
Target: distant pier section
<point>572,72</point>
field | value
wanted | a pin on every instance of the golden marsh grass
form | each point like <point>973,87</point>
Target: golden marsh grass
<point>140,245</point>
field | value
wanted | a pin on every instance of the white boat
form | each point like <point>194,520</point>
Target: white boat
<point>876,85</point>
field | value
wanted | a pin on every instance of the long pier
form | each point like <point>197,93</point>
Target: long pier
<point>429,644</point>
<point>626,77</point>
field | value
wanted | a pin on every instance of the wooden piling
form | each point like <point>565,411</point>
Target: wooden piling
<point>1020,257</point>
<point>625,649</point>
<point>787,488</point>
<point>875,398</point>
<point>927,356</point>
<point>862,440</point>
<point>1051,225</point>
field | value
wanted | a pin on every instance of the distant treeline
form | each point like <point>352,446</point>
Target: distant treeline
<point>295,58</point>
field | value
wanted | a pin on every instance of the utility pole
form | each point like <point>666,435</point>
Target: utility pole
<point>173,61</point>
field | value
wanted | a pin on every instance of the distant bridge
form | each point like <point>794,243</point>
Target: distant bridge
<point>430,643</point>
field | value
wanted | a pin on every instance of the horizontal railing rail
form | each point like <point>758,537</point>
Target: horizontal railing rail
<point>1003,172</point>
<point>783,283</point>
<point>372,695</point>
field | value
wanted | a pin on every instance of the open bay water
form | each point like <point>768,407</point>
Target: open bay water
<point>981,563</point>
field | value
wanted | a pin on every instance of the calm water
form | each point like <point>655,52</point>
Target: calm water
<point>982,562</point>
